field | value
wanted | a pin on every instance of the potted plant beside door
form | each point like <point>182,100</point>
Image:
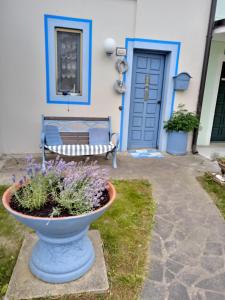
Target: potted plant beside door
<point>59,203</point>
<point>178,126</point>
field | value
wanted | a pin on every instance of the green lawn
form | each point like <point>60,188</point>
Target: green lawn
<point>216,191</point>
<point>125,231</point>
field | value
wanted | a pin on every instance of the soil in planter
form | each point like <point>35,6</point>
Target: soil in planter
<point>46,210</point>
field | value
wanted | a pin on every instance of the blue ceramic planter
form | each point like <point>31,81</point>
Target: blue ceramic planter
<point>177,142</point>
<point>64,251</point>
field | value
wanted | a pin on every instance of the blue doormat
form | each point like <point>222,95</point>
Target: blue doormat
<point>146,153</point>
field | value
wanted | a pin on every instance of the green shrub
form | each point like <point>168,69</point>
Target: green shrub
<point>182,120</point>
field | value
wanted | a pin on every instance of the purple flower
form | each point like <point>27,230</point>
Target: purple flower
<point>82,182</point>
<point>21,182</point>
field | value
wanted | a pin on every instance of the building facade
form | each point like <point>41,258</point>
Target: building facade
<point>213,108</point>
<point>41,74</point>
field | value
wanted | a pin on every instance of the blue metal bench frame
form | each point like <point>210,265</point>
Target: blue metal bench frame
<point>77,128</point>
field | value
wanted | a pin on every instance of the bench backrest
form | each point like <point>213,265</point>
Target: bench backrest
<point>74,130</point>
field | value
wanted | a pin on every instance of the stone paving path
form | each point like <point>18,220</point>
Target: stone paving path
<point>187,251</point>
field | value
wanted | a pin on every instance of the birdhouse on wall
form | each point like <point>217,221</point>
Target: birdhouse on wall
<point>181,81</point>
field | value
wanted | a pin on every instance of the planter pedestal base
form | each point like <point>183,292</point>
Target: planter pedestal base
<point>23,285</point>
<point>62,259</point>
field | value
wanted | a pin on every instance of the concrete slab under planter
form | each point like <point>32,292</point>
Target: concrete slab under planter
<point>23,285</point>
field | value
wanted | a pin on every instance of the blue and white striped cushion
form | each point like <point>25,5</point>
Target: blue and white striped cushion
<point>76,150</point>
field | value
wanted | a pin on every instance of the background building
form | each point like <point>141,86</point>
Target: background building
<point>162,38</point>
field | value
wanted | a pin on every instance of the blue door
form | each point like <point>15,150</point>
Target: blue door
<point>146,97</point>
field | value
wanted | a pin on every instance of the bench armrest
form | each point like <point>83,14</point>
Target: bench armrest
<point>115,137</point>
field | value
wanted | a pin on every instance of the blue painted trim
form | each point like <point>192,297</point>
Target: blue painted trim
<point>46,57</point>
<point>169,43</point>
<point>81,100</point>
<point>67,18</point>
<point>151,41</point>
<point>176,72</point>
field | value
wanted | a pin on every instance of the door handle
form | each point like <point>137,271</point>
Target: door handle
<point>146,89</point>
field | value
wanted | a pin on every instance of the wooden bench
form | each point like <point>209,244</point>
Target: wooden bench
<point>74,137</point>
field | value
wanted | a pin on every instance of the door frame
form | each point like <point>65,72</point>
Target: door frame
<point>171,50</point>
<point>217,86</point>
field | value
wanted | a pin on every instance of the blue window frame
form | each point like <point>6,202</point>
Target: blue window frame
<point>75,27</point>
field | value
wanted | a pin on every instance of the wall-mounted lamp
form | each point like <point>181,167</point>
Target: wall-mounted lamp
<point>109,46</point>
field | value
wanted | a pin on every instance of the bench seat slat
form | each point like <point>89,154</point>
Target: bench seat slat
<point>71,138</point>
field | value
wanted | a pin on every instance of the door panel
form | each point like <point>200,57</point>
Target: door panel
<point>146,93</point>
<point>218,130</point>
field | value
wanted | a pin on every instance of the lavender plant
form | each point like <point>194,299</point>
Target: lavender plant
<point>72,187</point>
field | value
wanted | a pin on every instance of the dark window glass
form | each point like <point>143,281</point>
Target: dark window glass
<point>223,72</point>
<point>68,79</point>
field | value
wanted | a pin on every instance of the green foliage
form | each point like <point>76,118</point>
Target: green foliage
<point>221,159</point>
<point>7,262</point>
<point>10,241</point>
<point>71,188</point>
<point>182,120</point>
<point>33,196</point>
<point>73,200</point>
<point>216,191</point>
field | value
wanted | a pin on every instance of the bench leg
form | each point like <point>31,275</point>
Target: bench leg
<point>114,163</point>
<point>43,159</point>
<point>107,155</point>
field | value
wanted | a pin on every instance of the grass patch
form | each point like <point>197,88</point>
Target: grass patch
<point>216,191</point>
<point>125,231</point>
<point>11,235</point>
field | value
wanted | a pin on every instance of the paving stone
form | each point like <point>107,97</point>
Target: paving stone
<point>212,263</point>
<point>163,228</point>
<point>191,248</point>
<point>179,235</point>
<point>198,295</point>
<point>169,276</point>
<point>182,258</point>
<point>190,275</point>
<point>213,249</point>
<point>178,291</point>
<point>156,270</point>
<point>153,291</point>
<point>23,285</point>
<point>163,209</point>
<point>170,246</point>
<point>173,266</point>
<point>214,296</point>
<point>216,283</point>
<point>156,246</point>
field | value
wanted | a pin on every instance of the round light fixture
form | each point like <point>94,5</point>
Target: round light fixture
<point>109,46</point>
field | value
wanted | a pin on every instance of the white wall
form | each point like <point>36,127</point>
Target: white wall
<point>22,72</point>
<point>178,20</point>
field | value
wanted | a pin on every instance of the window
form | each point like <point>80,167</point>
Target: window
<point>68,60</point>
